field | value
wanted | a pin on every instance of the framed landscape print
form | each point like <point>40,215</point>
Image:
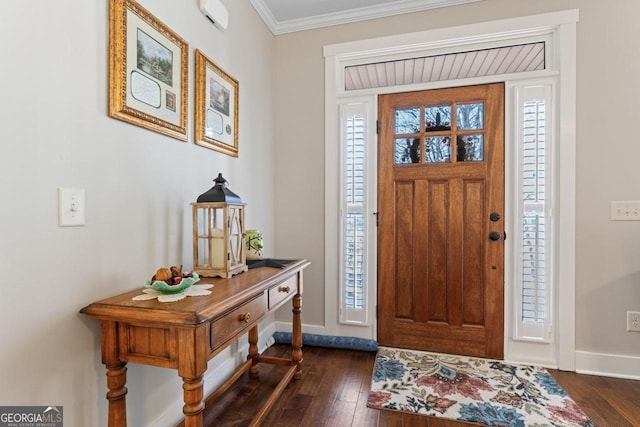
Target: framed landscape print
<point>148,71</point>
<point>216,104</point>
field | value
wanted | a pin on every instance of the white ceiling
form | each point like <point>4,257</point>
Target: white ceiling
<point>285,16</point>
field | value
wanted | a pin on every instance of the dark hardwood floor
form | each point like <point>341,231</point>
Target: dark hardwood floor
<point>335,384</point>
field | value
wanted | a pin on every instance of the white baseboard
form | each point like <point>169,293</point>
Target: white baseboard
<point>309,329</point>
<point>608,365</point>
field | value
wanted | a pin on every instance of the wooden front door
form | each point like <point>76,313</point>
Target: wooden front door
<point>441,226</point>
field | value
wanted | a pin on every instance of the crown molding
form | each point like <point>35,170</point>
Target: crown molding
<point>348,16</point>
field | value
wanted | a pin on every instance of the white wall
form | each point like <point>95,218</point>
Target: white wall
<point>56,133</point>
<point>608,85</point>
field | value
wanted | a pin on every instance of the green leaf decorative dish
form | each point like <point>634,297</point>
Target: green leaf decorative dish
<point>165,288</point>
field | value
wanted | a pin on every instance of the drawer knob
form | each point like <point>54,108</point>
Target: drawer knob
<point>284,289</point>
<point>245,317</point>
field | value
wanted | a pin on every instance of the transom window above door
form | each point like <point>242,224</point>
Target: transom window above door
<point>495,61</point>
<point>424,134</point>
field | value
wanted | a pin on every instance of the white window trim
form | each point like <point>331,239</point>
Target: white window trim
<point>560,27</point>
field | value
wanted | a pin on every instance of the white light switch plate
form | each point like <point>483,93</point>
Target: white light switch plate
<point>71,207</point>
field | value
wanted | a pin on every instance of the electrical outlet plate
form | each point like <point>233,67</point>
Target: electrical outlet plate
<point>625,211</point>
<point>633,321</point>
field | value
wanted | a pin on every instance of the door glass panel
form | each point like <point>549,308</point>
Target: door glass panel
<point>437,149</point>
<point>470,116</point>
<point>407,150</point>
<point>470,148</point>
<point>437,118</point>
<point>407,121</point>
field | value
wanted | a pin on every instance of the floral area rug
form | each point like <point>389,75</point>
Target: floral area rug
<point>481,391</point>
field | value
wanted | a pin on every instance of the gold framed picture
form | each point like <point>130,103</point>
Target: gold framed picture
<point>216,104</point>
<point>148,71</point>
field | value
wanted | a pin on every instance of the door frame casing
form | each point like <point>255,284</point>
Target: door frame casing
<point>559,29</point>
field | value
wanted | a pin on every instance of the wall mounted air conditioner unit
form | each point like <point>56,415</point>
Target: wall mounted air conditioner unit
<point>216,12</point>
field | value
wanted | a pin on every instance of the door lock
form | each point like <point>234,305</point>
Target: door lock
<point>494,235</point>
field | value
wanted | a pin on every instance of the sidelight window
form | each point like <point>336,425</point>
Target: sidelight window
<point>533,269</point>
<point>354,223</point>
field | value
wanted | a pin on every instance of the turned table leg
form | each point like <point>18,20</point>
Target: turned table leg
<point>116,380</point>
<point>116,374</point>
<point>253,351</point>
<point>296,335</point>
<point>193,403</point>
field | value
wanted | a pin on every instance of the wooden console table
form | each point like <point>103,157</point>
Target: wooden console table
<point>186,334</point>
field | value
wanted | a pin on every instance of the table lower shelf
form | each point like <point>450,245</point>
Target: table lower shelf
<point>292,371</point>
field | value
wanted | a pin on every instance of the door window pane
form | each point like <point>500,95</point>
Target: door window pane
<point>437,118</point>
<point>407,121</point>
<point>470,148</point>
<point>437,149</point>
<point>407,150</point>
<point>470,116</point>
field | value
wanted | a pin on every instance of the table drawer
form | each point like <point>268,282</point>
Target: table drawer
<point>238,320</point>
<point>282,291</point>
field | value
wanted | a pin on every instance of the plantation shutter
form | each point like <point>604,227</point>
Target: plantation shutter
<point>534,233</point>
<point>353,241</point>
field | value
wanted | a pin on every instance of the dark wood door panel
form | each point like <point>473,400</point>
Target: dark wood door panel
<point>438,337</point>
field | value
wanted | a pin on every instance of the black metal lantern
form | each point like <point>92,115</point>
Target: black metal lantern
<point>218,232</point>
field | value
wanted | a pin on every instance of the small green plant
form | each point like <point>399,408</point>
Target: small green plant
<point>254,241</point>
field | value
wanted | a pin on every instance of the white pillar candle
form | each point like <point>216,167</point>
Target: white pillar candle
<point>217,252</point>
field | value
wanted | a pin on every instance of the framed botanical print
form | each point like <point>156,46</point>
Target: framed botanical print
<point>216,105</point>
<point>148,71</point>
